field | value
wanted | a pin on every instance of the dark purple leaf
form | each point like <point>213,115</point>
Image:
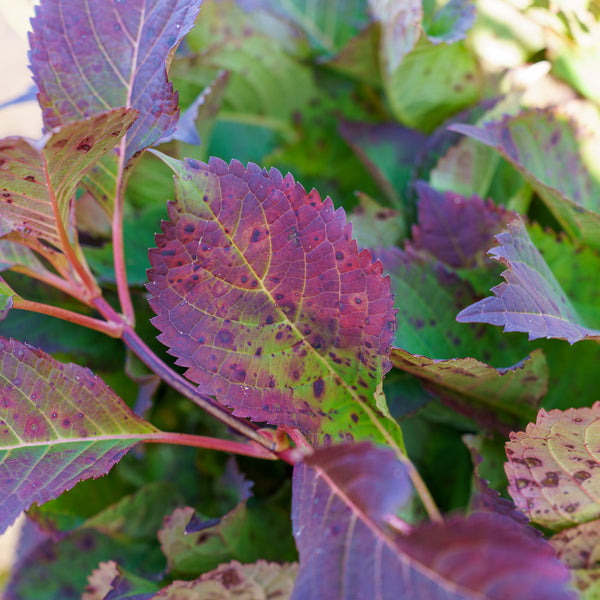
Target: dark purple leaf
<point>531,299</point>
<point>60,424</point>
<point>87,58</point>
<point>458,231</point>
<point>262,294</point>
<point>341,498</point>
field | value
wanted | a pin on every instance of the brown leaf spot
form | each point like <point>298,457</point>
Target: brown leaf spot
<point>581,476</point>
<point>551,479</point>
<point>531,461</point>
<point>85,145</point>
<point>30,178</point>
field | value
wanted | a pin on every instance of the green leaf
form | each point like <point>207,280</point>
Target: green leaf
<point>491,396</point>
<point>6,298</point>
<point>60,424</point>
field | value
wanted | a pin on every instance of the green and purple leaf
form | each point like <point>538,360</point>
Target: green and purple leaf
<point>93,57</point>
<point>530,300</point>
<point>556,159</point>
<point>343,498</point>
<point>6,298</point>
<point>552,467</point>
<point>59,424</point>
<point>495,398</point>
<point>451,22</point>
<point>458,231</point>
<point>261,293</point>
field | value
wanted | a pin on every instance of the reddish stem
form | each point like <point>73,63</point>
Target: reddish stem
<point>111,328</point>
<point>199,441</point>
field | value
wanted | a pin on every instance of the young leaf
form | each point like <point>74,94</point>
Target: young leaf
<point>552,467</point>
<point>59,424</point>
<point>342,496</point>
<point>87,59</point>
<point>35,176</point>
<point>556,160</point>
<point>456,230</point>
<point>261,293</point>
<point>578,548</point>
<point>490,396</point>
<point>530,300</point>
<point>235,581</point>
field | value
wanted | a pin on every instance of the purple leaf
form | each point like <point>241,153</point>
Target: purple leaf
<point>552,467</point>
<point>262,294</point>
<point>341,498</point>
<point>60,424</point>
<point>530,300</point>
<point>456,230</point>
<point>87,58</point>
<point>554,157</point>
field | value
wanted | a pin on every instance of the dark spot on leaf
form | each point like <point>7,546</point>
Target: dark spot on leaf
<point>205,198</point>
<point>244,279</point>
<point>272,383</point>
<point>85,145</point>
<point>258,351</point>
<point>354,417</point>
<point>551,479</point>
<point>230,578</point>
<point>168,253</point>
<point>193,164</point>
<point>531,461</point>
<point>318,387</point>
<point>66,422</point>
<point>255,236</point>
<point>571,508</point>
<point>521,483</point>
<point>30,178</point>
<point>189,228</point>
<point>339,256</point>
<point>581,476</point>
<point>269,320</point>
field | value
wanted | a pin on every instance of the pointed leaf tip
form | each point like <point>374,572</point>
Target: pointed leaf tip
<point>262,294</point>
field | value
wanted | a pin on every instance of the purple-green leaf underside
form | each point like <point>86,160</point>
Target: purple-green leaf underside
<point>89,57</point>
<point>342,498</point>
<point>59,424</point>
<point>262,294</point>
<point>554,157</point>
<point>531,299</point>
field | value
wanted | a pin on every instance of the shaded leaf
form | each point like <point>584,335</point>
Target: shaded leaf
<point>235,581</point>
<point>552,467</point>
<point>579,549</point>
<point>374,225</point>
<point>342,496</point>
<point>493,397</point>
<point>36,174</point>
<point>556,159</point>
<point>531,299</point>
<point>61,424</point>
<point>456,230</point>
<point>251,266</point>
<point>90,58</point>
<point>389,152</point>
<point>451,22</point>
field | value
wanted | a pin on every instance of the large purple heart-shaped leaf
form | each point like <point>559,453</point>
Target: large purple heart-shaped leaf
<point>552,467</point>
<point>531,299</point>
<point>89,57</point>
<point>556,159</point>
<point>343,497</point>
<point>59,424</point>
<point>262,294</point>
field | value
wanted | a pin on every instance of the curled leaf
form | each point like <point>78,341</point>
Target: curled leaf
<point>553,467</point>
<point>531,299</point>
<point>261,293</point>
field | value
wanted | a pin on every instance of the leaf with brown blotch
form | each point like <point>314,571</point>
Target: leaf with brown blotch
<point>342,499</point>
<point>262,294</point>
<point>579,549</point>
<point>38,179</point>
<point>553,467</point>
<point>59,424</point>
<point>530,299</point>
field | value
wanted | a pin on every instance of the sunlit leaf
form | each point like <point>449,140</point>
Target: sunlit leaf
<point>552,468</point>
<point>261,293</point>
<point>60,424</point>
<point>531,299</point>
<point>109,578</point>
<point>343,496</point>
<point>579,549</point>
<point>557,159</point>
<point>451,22</point>
<point>375,226</point>
<point>235,581</point>
<point>6,298</point>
